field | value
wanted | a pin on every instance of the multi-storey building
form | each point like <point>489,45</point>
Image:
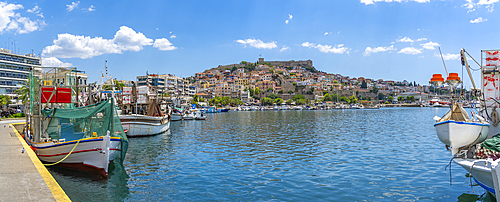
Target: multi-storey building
<point>14,71</point>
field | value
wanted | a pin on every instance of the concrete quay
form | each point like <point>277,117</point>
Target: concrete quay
<point>22,176</point>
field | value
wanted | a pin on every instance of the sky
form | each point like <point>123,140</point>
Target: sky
<point>378,39</point>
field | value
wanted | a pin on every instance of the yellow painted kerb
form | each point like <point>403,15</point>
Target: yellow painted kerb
<point>54,187</point>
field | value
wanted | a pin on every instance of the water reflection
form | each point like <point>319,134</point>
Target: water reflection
<point>86,186</point>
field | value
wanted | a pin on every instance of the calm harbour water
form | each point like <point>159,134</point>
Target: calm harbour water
<point>388,154</point>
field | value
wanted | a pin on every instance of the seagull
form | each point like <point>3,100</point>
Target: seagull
<point>22,151</point>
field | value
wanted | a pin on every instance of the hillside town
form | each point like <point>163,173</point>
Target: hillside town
<point>253,82</point>
<point>246,83</point>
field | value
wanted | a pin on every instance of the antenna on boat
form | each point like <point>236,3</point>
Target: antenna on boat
<point>443,60</point>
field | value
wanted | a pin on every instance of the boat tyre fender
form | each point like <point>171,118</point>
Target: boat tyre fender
<point>494,117</point>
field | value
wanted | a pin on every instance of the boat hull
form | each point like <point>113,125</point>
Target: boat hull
<point>176,117</point>
<point>139,125</point>
<point>480,170</point>
<point>93,154</point>
<point>457,134</point>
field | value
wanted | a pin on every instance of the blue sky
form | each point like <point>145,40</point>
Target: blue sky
<point>379,39</point>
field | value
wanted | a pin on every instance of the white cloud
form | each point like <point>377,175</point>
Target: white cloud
<point>307,44</point>
<point>366,2</point>
<point>327,33</point>
<point>54,62</point>
<point>487,2</point>
<point>430,45</point>
<point>163,44</point>
<point>72,46</point>
<point>405,39</point>
<point>91,8</point>
<point>36,10</point>
<point>257,43</point>
<point>370,50</point>
<point>72,6</point>
<point>422,39</point>
<point>12,21</point>
<point>284,48</point>
<point>127,39</point>
<point>470,5</point>
<point>478,20</point>
<point>289,18</point>
<point>173,36</point>
<point>410,51</point>
<point>338,49</point>
<point>448,56</point>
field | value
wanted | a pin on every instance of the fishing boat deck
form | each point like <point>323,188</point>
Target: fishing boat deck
<point>22,175</point>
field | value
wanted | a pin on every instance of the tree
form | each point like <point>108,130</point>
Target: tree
<point>400,98</point>
<point>273,96</point>
<point>118,85</point>
<point>375,89</point>
<point>5,100</point>
<point>344,99</point>
<point>289,101</point>
<point>353,99</point>
<point>364,85</point>
<point>23,92</point>
<point>257,90</point>
<point>269,90</point>
<point>266,101</point>
<point>297,97</point>
<point>280,91</point>
<point>380,96</point>
<point>390,98</point>
<point>234,68</point>
<point>278,101</point>
<point>195,98</point>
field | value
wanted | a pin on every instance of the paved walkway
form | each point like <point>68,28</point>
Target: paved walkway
<point>22,175</point>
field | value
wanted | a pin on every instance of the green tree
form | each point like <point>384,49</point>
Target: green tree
<point>257,90</point>
<point>291,92</point>
<point>269,90</point>
<point>380,96</point>
<point>344,99</point>
<point>374,89</point>
<point>266,101</point>
<point>273,96</point>
<point>5,100</point>
<point>280,92</point>
<point>353,99</point>
<point>364,85</point>
<point>289,101</point>
<point>23,92</point>
<point>297,97</point>
<point>400,98</point>
<point>278,101</point>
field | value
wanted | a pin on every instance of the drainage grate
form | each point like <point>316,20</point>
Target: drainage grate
<point>13,135</point>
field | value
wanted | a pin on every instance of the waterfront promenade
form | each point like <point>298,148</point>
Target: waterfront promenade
<point>22,175</point>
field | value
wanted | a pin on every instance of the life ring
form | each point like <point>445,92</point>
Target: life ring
<point>494,117</point>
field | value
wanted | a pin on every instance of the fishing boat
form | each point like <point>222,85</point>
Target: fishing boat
<point>457,130</point>
<point>479,158</point>
<point>152,123</point>
<point>85,138</point>
<point>199,114</point>
<point>63,133</point>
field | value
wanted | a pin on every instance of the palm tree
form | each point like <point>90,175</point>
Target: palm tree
<point>23,92</point>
